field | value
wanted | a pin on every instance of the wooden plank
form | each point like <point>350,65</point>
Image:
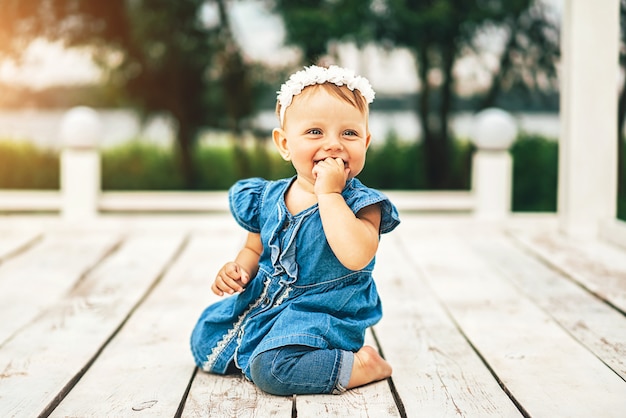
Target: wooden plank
<point>544,369</point>
<point>370,401</point>
<point>155,377</point>
<point>599,327</point>
<point>41,363</point>
<point>614,231</point>
<point>14,242</point>
<point>436,371</point>
<point>45,273</point>
<point>598,266</point>
<point>232,396</point>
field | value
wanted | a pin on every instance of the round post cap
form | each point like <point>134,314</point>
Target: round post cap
<point>81,128</point>
<point>494,129</point>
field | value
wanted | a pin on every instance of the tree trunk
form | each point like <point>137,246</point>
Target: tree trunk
<point>186,141</point>
<point>432,157</point>
<point>435,137</point>
<point>445,141</point>
<point>503,68</point>
<point>621,169</point>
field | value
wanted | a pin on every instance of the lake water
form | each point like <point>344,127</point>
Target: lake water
<point>118,126</point>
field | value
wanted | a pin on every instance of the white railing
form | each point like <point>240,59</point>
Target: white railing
<point>80,196</point>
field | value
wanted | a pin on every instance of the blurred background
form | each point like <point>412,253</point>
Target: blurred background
<point>186,89</point>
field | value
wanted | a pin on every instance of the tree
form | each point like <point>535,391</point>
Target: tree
<point>621,115</point>
<point>311,24</point>
<point>160,52</point>
<point>438,33</point>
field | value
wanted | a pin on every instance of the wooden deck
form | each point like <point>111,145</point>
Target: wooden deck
<point>479,320</point>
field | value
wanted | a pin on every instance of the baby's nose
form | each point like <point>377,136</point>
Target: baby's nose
<point>333,142</point>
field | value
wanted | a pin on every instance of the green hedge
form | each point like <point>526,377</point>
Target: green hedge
<point>137,165</point>
<point>535,168</point>
<point>141,166</point>
<point>24,166</point>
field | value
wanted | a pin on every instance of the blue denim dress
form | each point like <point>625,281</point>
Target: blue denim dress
<point>302,294</point>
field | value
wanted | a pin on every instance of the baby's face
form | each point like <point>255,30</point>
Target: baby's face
<point>320,125</point>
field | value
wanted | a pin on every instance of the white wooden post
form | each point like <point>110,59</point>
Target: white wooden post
<point>494,132</point>
<point>587,191</point>
<point>80,164</point>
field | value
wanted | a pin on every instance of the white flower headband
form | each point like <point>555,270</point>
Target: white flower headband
<point>319,75</point>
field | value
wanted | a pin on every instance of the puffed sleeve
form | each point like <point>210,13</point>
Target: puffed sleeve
<point>244,198</point>
<point>359,196</point>
<point>389,216</point>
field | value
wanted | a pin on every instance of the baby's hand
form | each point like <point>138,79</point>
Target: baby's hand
<point>230,279</point>
<point>330,175</point>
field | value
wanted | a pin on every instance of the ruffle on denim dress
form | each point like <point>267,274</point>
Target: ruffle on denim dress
<point>302,294</point>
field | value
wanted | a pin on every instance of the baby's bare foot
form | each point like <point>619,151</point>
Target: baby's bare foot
<point>368,367</point>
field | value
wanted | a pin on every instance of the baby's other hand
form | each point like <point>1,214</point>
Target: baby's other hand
<point>230,279</point>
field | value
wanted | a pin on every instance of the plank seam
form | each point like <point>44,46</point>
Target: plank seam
<point>22,248</point>
<point>81,278</point>
<point>502,385</point>
<point>181,405</point>
<point>536,254</point>
<point>74,380</point>
<point>109,252</point>
<point>422,276</point>
<point>392,386</point>
<point>549,313</point>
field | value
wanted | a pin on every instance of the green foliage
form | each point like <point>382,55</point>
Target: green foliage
<point>220,167</point>
<point>394,165</point>
<point>391,165</point>
<point>266,162</point>
<point>215,167</point>
<point>535,168</point>
<point>437,33</point>
<point>199,75</point>
<point>24,166</point>
<point>621,190</point>
<point>397,165</point>
<point>400,165</point>
<point>195,73</point>
<point>139,166</point>
<point>311,24</point>
<point>621,207</point>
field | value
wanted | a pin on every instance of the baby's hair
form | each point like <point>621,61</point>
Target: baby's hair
<point>353,97</point>
<point>337,80</point>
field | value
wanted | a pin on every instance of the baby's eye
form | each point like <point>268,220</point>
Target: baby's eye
<point>314,131</point>
<point>350,132</point>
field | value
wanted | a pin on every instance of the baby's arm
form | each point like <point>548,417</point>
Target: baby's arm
<point>353,238</point>
<point>235,275</point>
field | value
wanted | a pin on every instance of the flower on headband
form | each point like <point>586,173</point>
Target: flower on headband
<point>319,75</point>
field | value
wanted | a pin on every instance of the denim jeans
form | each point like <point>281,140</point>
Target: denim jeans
<point>302,370</point>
